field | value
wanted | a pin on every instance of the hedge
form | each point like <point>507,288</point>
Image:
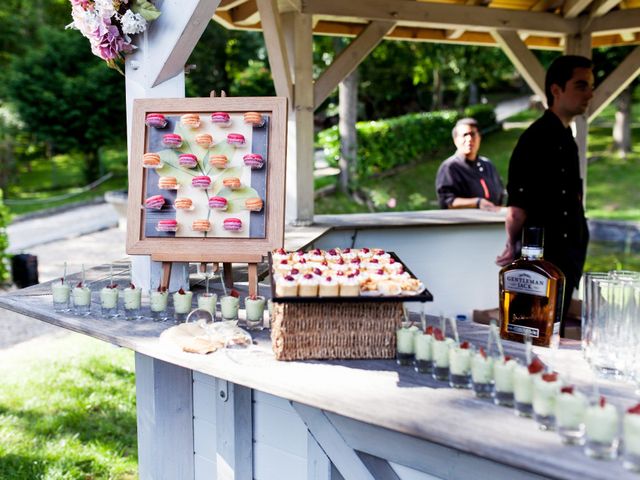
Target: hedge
<point>390,143</point>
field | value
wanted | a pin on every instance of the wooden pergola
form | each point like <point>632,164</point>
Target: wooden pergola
<point>288,26</point>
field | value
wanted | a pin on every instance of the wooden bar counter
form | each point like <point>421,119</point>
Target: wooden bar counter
<point>240,414</point>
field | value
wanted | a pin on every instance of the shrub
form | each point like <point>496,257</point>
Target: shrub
<point>390,143</point>
<point>5,217</point>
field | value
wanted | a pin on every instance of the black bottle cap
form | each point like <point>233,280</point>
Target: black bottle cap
<point>533,237</point>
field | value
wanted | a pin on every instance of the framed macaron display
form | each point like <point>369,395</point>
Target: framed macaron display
<point>211,168</point>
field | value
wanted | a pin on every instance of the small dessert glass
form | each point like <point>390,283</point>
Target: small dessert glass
<point>109,301</point>
<point>631,435</point>
<point>208,301</point>
<point>601,431</point>
<point>82,300</point>
<point>254,310</point>
<point>460,366</point>
<point>546,389</point>
<point>181,305</point>
<point>441,359</point>
<point>482,375</point>
<point>132,302</point>
<point>229,307</point>
<point>61,294</point>
<point>570,410</point>
<point>405,348</point>
<point>503,381</point>
<point>423,346</point>
<point>523,391</point>
<point>158,301</point>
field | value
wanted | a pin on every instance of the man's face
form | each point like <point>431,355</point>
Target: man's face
<point>577,93</point>
<point>467,141</point>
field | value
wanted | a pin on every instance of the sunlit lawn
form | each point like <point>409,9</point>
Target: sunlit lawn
<point>67,411</point>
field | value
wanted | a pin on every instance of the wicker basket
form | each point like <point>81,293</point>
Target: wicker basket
<point>303,331</point>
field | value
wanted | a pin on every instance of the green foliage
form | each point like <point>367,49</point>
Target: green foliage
<point>5,218</point>
<point>387,144</point>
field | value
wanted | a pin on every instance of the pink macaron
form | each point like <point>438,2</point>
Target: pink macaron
<point>201,181</point>
<point>187,160</point>
<point>156,120</point>
<point>172,140</point>
<point>232,224</point>
<point>155,202</point>
<point>253,160</point>
<point>219,203</point>
<point>222,119</point>
<point>167,225</point>
<point>236,139</point>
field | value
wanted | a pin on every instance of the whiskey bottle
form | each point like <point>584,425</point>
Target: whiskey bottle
<point>531,293</point>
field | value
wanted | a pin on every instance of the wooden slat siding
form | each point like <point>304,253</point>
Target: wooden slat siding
<point>280,429</point>
<point>318,464</point>
<point>437,460</point>
<point>405,401</point>
<point>379,467</point>
<point>279,402</point>
<point>204,400</point>
<point>164,414</point>
<point>339,452</point>
<point>204,439</point>
<point>274,464</point>
<point>205,469</point>
<point>406,473</point>
<point>233,432</point>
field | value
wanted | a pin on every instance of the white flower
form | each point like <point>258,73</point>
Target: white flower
<point>105,8</point>
<point>87,21</point>
<point>133,23</point>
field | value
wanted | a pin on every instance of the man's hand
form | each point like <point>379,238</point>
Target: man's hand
<point>488,206</point>
<point>507,256</point>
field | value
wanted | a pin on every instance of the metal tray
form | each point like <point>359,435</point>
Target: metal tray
<point>422,296</point>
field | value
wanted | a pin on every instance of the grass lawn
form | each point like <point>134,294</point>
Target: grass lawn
<point>67,411</point>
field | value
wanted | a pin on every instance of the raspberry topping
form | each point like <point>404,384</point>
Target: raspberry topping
<point>634,410</point>
<point>132,286</point>
<point>328,279</point>
<point>340,261</point>
<point>181,291</point>
<point>295,271</point>
<point>429,330</point>
<point>289,278</point>
<point>507,358</point>
<point>603,401</point>
<point>550,377</point>
<point>568,389</point>
<point>317,271</point>
<point>234,293</point>
<point>112,286</point>
<point>438,335</point>
<point>281,251</point>
<point>162,289</point>
<point>284,262</point>
<point>374,260</point>
<point>482,353</point>
<point>465,345</point>
<point>380,272</point>
<point>308,276</point>
<point>365,250</point>
<point>333,252</point>
<point>536,366</point>
<point>346,250</point>
<point>79,285</point>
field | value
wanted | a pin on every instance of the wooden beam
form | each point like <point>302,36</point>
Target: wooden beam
<point>523,59</point>
<point>573,8</point>
<point>628,36</point>
<point>442,15</point>
<point>274,41</point>
<point>454,34</point>
<point>246,14</point>
<point>618,80</point>
<point>617,21</point>
<point>176,32</point>
<point>349,59</point>
<point>229,4</point>
<point>600,7</point>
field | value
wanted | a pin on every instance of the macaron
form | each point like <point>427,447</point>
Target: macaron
<point>201,225</point>
<point>151,160</point>
<point>168,183</point>
<point>232,224</point>
<point>187,160</point>
<point>232,182</point>
<point>254,118</point>
<point>201,181</point>
<point>167,225</point>
<point>155,202</point>
<point>253,160</point>
<point>191,120</point>
<point>183,203</point>
<point>219,203</point>
<point>253,204</point>
<point>204,140</point>
<point>222,119</point>
<point>172,140</point>
<point>236,139</point>
<point>155,120</point>
<point>218,161</point>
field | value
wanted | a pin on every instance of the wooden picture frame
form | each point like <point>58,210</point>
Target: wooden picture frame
<point>262,231</point>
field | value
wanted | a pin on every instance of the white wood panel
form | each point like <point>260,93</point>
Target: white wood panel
<point>234,445</point>
<point>270,463</point>
<point>205,469</point>
<point>279,428</point>
<point>262,397</point>
<point>406,473</point>
<point>204,439</point>
<point>204,401</point>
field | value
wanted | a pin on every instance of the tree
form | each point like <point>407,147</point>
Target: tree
<point>67,98</point>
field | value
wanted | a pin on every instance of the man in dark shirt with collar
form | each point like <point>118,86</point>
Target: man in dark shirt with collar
<point>544,186</point>
<point>467,180</point>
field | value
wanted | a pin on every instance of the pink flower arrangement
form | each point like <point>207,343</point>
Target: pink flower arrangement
<point>109,24</point>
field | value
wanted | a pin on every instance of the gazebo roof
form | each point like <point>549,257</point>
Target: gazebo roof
<point>541,24</point>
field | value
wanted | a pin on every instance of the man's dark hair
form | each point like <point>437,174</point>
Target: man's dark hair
<point>561,71</point>
<point>464,121</point>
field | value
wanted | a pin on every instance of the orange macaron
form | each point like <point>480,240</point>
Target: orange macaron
<point>253,204</point>
<point>168,183</point>
<point>191,120</point>
<point>254,118</point>
<point>232,182</point>
<point>201,225</point>
<point>218,161</point>
<point>151,160</point>
<point>183,203</point>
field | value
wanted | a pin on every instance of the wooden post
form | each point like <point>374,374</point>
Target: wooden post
<point>227,274</point>
<point>253,278</point>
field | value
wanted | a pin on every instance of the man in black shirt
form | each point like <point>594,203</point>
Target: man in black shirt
<point>544,186</point>
<point>467,180</point>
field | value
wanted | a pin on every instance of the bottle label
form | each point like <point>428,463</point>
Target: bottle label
<point>526,281</point>
<point>522,330</point>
